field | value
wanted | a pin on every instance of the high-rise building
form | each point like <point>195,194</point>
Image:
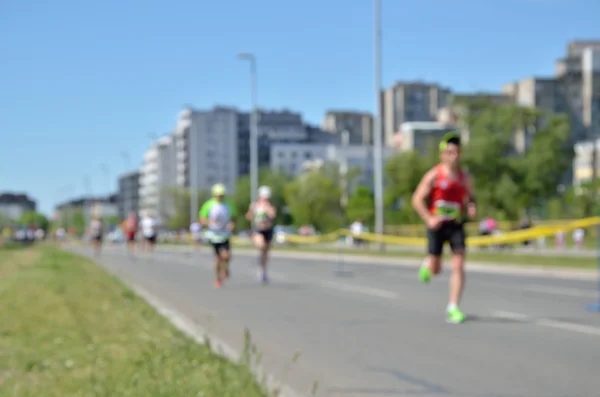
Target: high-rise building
<point>157,175</point>
<point>411,101</point>
<point>129,194</point>
<point>359,125</point>
<point>273,127</point>
<point>211,148</point>
<point>574,91</point>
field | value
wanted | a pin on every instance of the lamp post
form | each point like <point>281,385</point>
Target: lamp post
<point>253,125</point>
<point>377,130</point>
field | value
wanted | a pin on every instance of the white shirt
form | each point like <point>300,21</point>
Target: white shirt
<point>356,228</point>
<point>148,226</point>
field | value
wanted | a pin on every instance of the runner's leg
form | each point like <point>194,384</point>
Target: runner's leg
<point>217,248</point>
<point>433,262</point>
<point>457,241</point>
<point>224,258</point>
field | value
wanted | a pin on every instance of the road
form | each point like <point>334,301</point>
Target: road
<point>374,331</point>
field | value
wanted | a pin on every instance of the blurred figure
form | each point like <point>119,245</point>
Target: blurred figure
<point>130,229</point>
<point>196,234</point>
<point>357,228</point>
<point>96,231</point>
<point>578,237</point>
<point>149,226</point>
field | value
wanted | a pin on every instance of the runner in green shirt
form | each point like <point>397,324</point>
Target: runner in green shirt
<point>217,215</point>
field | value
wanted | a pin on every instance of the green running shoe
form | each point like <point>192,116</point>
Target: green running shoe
<point>424,274</point>
<point>455,316</point>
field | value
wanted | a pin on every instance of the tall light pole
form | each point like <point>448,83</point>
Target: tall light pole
<point>253,125</point>
<point>377,130</point>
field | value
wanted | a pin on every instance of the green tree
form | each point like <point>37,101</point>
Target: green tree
<point>113,220</point>
<point>30,218</point>
<point>361,205</point>
<point>180,199</point>
<point>313,199</point>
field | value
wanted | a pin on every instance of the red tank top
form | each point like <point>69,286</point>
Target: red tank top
<point>448,195</point>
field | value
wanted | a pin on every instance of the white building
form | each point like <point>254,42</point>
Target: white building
<point>421,137</point>
<point>211,148</point>
<point>13,206</point>
<point>158,173</point>
<point>295,158</point>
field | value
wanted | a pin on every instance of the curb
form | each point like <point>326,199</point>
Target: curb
<point>479,267</point>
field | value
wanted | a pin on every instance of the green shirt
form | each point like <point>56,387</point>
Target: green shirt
<point>219,214</point>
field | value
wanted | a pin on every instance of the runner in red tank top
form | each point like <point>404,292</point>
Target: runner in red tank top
<point>449,191</point>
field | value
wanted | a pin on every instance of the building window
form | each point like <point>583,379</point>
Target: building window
<point>307,155</point>
<point>294,155</point>
<point>281,155</point>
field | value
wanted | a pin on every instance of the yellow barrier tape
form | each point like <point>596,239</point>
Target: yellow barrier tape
<point>513,237</point>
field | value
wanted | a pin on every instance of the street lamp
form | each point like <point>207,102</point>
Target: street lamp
<point>377,130</point>
<point>245,56</point>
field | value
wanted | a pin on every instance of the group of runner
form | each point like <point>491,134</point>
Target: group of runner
<point>444,199</point>
<point>148,225</point>
<point>217,216</point>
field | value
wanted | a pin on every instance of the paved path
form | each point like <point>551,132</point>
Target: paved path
<point>376,332</point>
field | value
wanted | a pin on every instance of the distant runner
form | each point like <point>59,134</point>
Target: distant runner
<point>262,215</point>
<point>96,232</point>
<point>217,215</point>
<point>149,226</point>
<point>448,189</point>
<point>130,229</point>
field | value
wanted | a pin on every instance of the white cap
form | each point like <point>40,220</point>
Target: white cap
<point>264,191</point>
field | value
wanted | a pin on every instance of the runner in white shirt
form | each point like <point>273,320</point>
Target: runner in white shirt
<point>262,215</point>
<point>148,225</point>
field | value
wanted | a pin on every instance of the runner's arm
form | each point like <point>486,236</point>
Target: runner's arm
<point>203,214</point>
<point>471,204</point>
<point>421,194</point>
<point>233,212</point>
<point>250,212</point>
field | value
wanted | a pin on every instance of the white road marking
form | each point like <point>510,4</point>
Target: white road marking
<point>545,322</point>
<point>377,292</point>
<point>560,291</point>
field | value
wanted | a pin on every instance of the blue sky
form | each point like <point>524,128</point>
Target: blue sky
<point>81,82</point>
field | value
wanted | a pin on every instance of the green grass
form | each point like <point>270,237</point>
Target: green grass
<point>69,329</point>
<point>506,258</point>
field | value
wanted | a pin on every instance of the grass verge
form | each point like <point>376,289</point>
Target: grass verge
<point>67,328</point>
<point>499,258</point>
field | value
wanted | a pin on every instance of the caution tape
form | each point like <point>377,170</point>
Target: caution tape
<point>513,237</point>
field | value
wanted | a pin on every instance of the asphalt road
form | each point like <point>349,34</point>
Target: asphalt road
<point>374,331</point>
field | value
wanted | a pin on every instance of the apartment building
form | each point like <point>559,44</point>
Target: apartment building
<point>411,101</point>
<point>421,136</point>
<point>14,205</point>
<point>295,158</point>
<point>359,125</point>
<point>129,194</point>
<point>212,148</point>
<point>157,175</point>
<point>103,206</point>
<point>574,91</point>
<point>273,127</point>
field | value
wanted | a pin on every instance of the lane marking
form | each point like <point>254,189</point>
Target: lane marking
<point>377,292</point>
<point>545,322</point>
<point>560,291</point>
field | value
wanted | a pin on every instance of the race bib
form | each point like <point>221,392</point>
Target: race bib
<point>447,210</point>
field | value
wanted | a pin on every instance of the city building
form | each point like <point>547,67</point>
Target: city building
<point>583,163</point>
<point>129,194</point>
<point>422,137</point>
<point>105,206</point>
<point>574,91</point>
<point>157,175</point>
<point>359,125</point>
<point>411,101</point>
<point>295,158</point>
<point>14,205</point>
<point>273,127</point>
<point>212,148</point>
